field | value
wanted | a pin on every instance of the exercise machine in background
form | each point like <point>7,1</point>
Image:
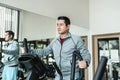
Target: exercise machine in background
<point>34,67</point>
<point>101,68</point>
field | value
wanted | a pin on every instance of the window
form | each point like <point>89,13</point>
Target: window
<point>9,20</point>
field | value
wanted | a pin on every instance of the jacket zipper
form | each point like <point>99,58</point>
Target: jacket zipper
<point>61,55</point>
<point>60,58</point>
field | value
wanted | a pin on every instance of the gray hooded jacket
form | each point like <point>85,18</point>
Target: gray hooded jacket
<point>63,52</point>
<point>10,53</point>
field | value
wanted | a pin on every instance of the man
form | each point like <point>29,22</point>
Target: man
<point>63,47</point>
<point>10,52</point>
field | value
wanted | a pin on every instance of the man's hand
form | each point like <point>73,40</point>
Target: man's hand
<point>82,64</point>
<point>22,50</point>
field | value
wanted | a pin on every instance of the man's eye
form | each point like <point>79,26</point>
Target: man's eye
<point>61,24</point>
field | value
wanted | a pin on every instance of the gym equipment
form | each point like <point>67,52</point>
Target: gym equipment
<point>25,45</point>
<point>101,68</point>
<point>58,70</point>
<point>35,67</point>
<point>116,70</point>
<point>75,55</point>
<point>99,72</point>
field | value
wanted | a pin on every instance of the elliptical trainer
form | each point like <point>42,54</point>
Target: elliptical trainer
<point>33,65</point>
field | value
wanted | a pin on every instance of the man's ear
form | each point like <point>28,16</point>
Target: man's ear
<point>11,36</point>
<point>68,26</point>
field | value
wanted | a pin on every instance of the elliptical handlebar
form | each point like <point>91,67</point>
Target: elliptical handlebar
<point>25,45</point>
<point>76,54</point>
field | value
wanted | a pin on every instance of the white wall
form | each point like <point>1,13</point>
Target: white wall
<point>79,30</point>
<point>36,27</point>
<point>104,16</point>
<point>77,10</point>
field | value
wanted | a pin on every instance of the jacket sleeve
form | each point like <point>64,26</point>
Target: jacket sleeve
<point>84,52</point>
<point>42,52</point>
<point>13,49</point>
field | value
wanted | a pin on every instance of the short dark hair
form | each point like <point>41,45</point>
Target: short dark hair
<point>10,33</point>
<point>66,19</point>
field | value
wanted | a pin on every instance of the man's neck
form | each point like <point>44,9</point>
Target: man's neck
<point>9,41</point>
<point>62,36</point>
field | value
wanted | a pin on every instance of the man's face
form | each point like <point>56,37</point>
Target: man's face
<point>61,27</point>
<point>8,37</point>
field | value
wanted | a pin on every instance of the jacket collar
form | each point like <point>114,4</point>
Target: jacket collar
<point>10,42</point>
<point>68,36</point>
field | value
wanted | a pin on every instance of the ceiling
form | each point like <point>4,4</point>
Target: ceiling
<point>76,10</point>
